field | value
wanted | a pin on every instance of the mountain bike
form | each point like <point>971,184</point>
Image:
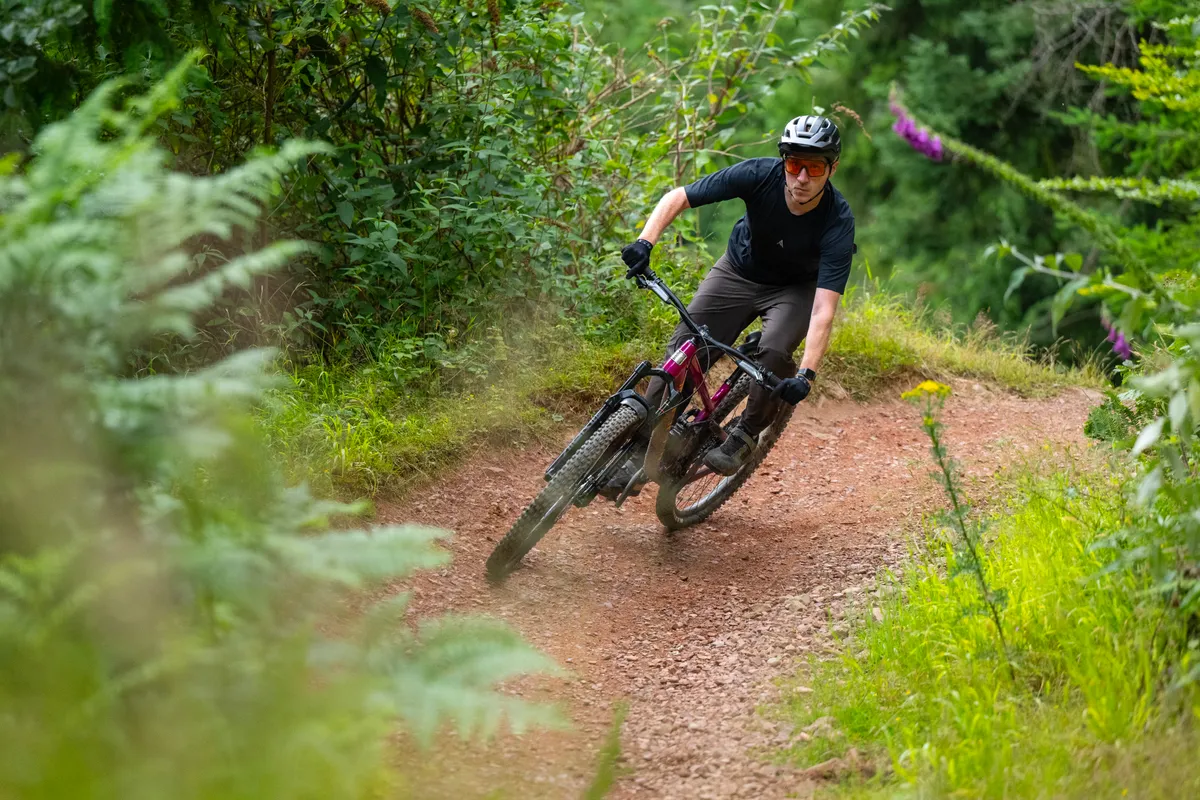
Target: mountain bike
<point>687,421</point>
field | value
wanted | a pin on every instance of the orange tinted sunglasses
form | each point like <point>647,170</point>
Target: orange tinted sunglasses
<point>816,167</point>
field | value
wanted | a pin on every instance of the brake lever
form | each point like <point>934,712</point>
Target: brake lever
<point>645,279</point>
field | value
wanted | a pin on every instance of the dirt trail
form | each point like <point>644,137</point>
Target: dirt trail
<point>693,628</point>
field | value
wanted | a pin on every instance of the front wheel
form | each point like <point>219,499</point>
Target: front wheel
<point>694,496</point>
<point>592,457</point>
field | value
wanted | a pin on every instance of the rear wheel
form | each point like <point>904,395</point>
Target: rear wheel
<point>698,491</point>
<point>592,457</point>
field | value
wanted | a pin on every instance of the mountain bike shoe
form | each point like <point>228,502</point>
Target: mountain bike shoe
<point>732,454</point>
<point>628,480</point>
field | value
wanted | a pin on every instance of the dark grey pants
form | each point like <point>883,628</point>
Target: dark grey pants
<point>728,303</point>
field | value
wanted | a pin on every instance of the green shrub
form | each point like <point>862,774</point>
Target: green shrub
<point>1145,280</point>
<point>172,616</point>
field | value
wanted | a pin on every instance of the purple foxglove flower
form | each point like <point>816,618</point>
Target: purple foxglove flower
<point>1122,348</point>
<point>921,140</point>
<point>1120,344</point>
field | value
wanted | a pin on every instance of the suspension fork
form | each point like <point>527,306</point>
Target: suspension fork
<point>626,395</point>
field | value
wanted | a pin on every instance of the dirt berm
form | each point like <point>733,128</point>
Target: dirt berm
<point>692,628</point>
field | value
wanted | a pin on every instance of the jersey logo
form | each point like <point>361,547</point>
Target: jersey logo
<point>781,242</point>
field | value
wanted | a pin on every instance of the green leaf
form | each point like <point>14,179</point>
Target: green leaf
<point>1063,299</point>
<point>1149,435</point>
<point>1177,411</point>
<point>448,675</point>
<point>354,557</point>
<point>377,73</point>
<point>1148,487</point>
<point>1014,283</point>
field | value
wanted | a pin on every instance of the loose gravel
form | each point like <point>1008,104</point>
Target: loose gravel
<point>693,629</point>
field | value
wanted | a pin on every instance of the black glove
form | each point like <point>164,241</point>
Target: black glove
<point>637,257</point>
<point>792,390</point>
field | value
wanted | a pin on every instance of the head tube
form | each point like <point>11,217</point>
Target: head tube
<point>676,364</point>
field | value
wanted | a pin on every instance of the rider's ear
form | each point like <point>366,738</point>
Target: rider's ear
<point>833,169</point>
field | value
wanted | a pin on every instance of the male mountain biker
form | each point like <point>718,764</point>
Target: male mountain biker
<point>787,261</point>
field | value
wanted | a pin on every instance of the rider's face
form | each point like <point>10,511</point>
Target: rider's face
<point>803,187</point>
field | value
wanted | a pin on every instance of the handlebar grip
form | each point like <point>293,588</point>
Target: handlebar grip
<point>770,379</point>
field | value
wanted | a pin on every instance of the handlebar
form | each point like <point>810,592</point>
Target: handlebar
<point>650,281</point>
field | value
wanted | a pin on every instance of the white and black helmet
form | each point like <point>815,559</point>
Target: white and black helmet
<point>811,135</point>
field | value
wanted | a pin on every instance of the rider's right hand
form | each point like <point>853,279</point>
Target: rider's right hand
<point>637,257</point>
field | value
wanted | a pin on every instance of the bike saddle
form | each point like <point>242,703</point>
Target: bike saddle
<point>748,347</point>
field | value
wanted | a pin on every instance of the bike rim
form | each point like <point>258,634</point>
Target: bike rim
<point>698,490</point>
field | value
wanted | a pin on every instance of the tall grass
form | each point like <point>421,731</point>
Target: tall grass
<point>351,429</point>
<point>926,693</point>
<point>363,427</point>
<point>882,339</point>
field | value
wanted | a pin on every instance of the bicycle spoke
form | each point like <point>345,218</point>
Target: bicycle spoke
<point>697,472</point>
<point>697,491</point>
<point>699,481</point>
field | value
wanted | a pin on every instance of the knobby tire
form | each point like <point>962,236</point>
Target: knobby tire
<point>556,497</point>
<point>666,505</point>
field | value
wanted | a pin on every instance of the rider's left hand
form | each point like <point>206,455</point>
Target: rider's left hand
<point>637,257</point>
<point>792,390</point>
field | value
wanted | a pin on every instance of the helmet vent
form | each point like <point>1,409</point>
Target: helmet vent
<point>811,134</point>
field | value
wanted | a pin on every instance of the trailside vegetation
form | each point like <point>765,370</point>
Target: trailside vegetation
<point>418,204</point>
<point>171,611</point>
<point>1050,647</point>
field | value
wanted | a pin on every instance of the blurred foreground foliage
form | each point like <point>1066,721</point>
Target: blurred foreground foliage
<point>171,613</point>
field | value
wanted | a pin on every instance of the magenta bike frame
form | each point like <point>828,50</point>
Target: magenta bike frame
<point>685,359</point>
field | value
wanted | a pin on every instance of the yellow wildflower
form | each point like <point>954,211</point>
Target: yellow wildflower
<point>927,389</point>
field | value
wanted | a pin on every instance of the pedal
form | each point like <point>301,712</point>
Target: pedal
<point>639,477</point>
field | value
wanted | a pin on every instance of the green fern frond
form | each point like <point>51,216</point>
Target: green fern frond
<point>219,205</point>
<point>354,557</point>
<point>449,672</point>
<point>173,309</point>
<point>234,381</point>
<point>169,560</point>
<point>1158,80</point>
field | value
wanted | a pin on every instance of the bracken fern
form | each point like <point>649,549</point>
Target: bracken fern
<point>170,611</point>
